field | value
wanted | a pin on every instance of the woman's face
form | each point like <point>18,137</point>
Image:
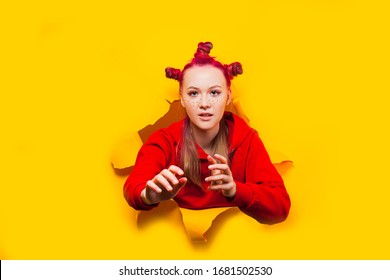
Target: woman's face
<point>204,95</point>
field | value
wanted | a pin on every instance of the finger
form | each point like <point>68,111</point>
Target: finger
<point>182,182</point>
<point>162,181</point>
<point>222,187</point>
<point>218,177</point>
<point>171,178</point>
<point>220,166</point>
<point>211,160</point>
<point>176,170</point>
<point>222,159</point>
<point>216,172</point>
<point>153,186</point>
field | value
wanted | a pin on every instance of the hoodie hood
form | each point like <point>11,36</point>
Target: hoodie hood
<point>239,130</point>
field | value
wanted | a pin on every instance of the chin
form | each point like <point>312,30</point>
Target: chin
<point>206,126</point>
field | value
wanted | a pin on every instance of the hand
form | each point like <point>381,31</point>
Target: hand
<point>221,176</point>
<point>164,185</point>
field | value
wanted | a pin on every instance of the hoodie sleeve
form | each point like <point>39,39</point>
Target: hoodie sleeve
<point>151,159</point>
<point>263,195</point>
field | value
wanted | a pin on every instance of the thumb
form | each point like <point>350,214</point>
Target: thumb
<point>182,182</point>
<point>177,188</point>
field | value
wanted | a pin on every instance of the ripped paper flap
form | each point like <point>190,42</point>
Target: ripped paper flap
<point>198,222</point>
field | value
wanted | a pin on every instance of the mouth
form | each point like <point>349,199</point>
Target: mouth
<point>205,116</point>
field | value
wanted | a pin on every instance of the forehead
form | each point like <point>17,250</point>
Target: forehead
<point>203,76</point>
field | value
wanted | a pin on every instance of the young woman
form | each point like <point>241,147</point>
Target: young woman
<point>211,158</point>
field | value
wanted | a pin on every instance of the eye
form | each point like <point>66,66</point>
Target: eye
<point>215,93</point>
<point>193,93</point>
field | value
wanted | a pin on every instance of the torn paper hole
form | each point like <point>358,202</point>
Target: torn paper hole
<point>196,222</point>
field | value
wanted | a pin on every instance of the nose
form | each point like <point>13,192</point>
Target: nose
<point>204,102</point>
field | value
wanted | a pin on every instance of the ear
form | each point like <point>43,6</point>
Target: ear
<point>229,97</point>
<point>181,101</point>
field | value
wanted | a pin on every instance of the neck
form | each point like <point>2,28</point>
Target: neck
<point>204,138</point>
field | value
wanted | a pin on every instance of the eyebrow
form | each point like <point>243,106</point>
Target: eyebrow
<point>215,86</point>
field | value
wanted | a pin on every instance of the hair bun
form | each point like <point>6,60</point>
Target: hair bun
<point>203,49</point>
<point>235,69</point>
<point>172,73</point>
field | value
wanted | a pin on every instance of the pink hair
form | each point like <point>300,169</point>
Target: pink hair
<point>202,58</point>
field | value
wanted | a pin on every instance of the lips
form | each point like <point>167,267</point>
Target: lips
<point>205,116</point>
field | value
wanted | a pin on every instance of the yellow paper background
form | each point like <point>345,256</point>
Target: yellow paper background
<point>77,77</point>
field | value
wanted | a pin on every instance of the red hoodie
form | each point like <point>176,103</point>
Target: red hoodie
<point>260,189</point>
